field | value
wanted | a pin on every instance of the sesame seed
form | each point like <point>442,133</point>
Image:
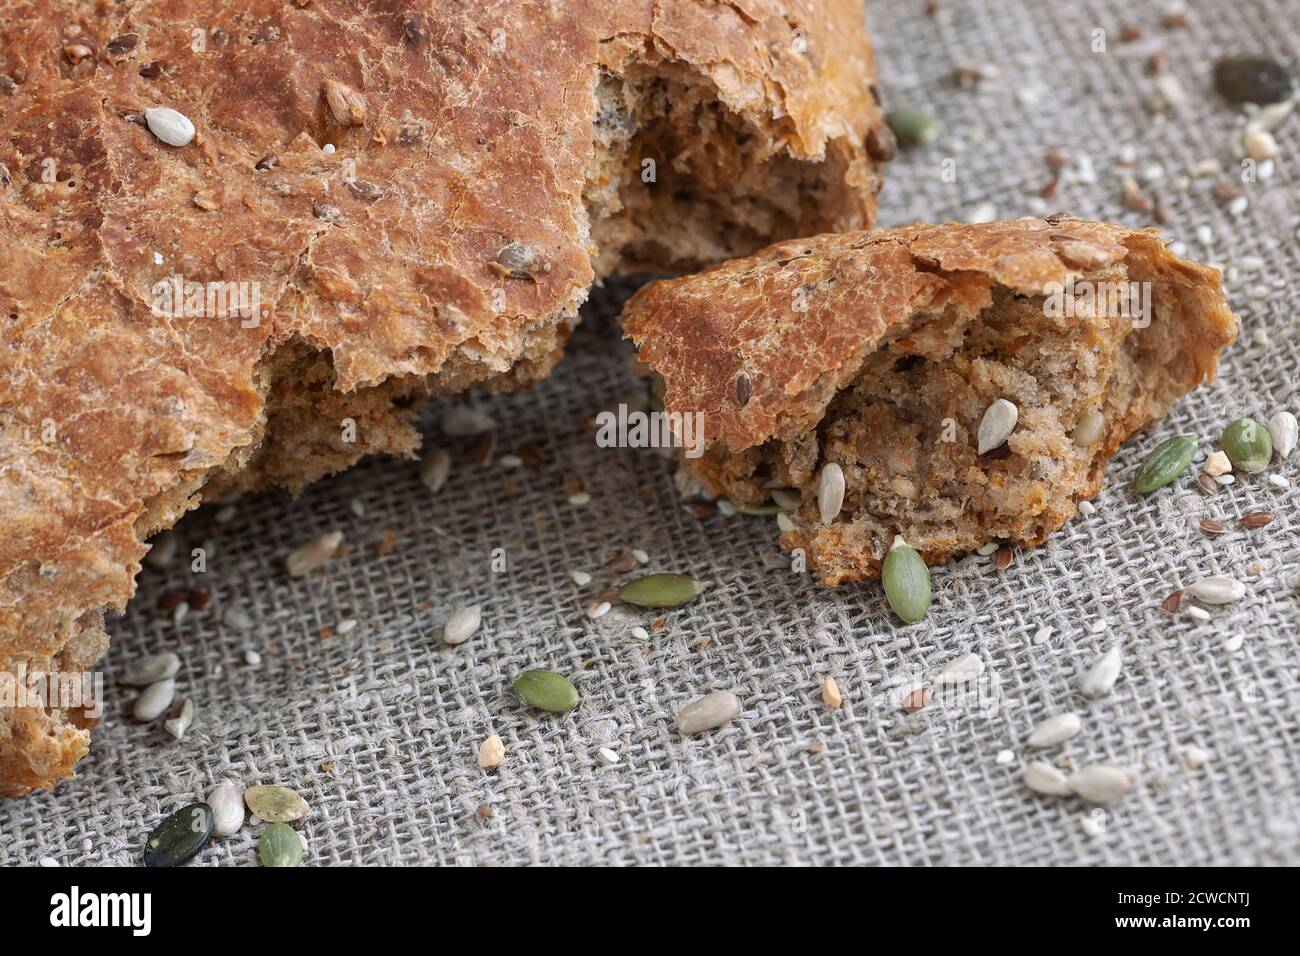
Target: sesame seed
<point>595,611</point>
<point>580,578</point>
<point>1199,613</point>
<point>641,556</point>
<point>640,633</point>
<point>1278,481</point>
<point>510,461</point>
<point>346,626</point>
<point>1005,757</point>
<point>1087,508</point>
<point>580,499</point>
<point>608,756</point>
<point>252,658</point>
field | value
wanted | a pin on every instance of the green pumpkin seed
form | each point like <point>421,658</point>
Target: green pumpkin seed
<point>760,510</point>
<point>1165,464</point>
<point>275,804</point>
<point>547,690</point>
<point>280,846</point>
<point>661,590</point>
<point>907,581</point>
<point>911,127</point>
<point>179,837</point>
<point>1248,445</point>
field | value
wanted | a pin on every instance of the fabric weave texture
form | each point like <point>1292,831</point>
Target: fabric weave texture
<point>379,728</point>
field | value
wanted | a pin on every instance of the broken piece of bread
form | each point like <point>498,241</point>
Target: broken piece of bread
<point>883,352</point>
<point>243,242</point>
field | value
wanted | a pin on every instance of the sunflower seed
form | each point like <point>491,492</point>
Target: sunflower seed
<point>547,690</point>
<point>786,499</point>
<point>462,422</point>
<point>227,803</point>
<point>1259,144</point>
<point>173,128</point>
<point>156,698</point>
<point>280,845</point>
<point>1283,430</point>
<point>1099,783</point>
<point>1055,730</point>
<point>180,836</point>
<point>1042,777</point>
<point>661,590</point>
<point>1088,430</point>
<point>1165,464</point>
<point>1216,590</point>
<point>462,624</point>
<point>1248,445</point>
<point>312,555</point>
<point>1101,676</point>
<point>964,668</point>
<point>491,752</point>
<point>162,549</point>
<point>176,726</point>
<point>996,426</point>
<point>1256,519</point>
<point>707,712</point>
<point>831,693</point>
<point>830,492</point>
<point>347,106</point>
<point>906,580</point>
<point>435,466</point>
<point>151,670</point>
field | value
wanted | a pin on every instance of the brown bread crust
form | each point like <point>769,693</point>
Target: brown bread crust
<point>385,268</point>
<point>880,351</point>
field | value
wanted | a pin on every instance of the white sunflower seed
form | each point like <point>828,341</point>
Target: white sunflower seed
<point>151,670</point>
<point>967,667</point>
<point>831,693</point>
<point>162,549</point>
<point>173,128</point>
<point>830,492</point>
<point>435,466</point>
<point>461,422</point>
<point>707,712</point>
<point>462,624</point>
<point>1284,430</point>
<point>996,426</point>
<point>491,752</point>
<point>1216,590</point>
<point>1099,783</point>
<point>312,555</point>
<point>1055,730</point>
<point>227,802</point>
<point>176,726</point>
<point>786,499</point>
<point>1101,676</point>
<point>1044,778</point>
<point>154,701</point>
<point>1088,430</point>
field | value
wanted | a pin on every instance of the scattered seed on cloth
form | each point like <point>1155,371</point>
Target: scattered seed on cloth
<point>180,836</point>
<point>547,690</point>
<point>275,804</point>
<point>227,803</point>
<point>1099,783</point>
<point>661,590</point>
<point>280,845</point>
<point>1055,730</point>
<point>151,670</point>
<point>907,581</point>
<point>1042,777</point>
<point>1101,677</point>
<point>315,553</point>
<point>707,712</point>
<point>491,752</point>
<point>462,624</point>
<point>154,701</point>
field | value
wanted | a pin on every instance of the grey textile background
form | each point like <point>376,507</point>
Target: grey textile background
<point>379,728</point>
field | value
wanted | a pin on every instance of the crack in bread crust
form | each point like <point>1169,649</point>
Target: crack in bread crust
<point>461,136</point>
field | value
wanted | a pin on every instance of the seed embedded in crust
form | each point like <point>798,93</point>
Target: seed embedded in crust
<point>347,106</point>
<point>1088,430</point>
<point>996,426</point>
<point>830,492</point>
<point>173,128</point>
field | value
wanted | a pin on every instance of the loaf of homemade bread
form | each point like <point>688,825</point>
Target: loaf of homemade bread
<point>882,353</point>
<point>242,242</point>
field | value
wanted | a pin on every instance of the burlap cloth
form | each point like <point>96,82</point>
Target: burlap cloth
<point>379,728</point>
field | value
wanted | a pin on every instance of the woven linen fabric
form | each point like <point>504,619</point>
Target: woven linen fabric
<point>379,727</point>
